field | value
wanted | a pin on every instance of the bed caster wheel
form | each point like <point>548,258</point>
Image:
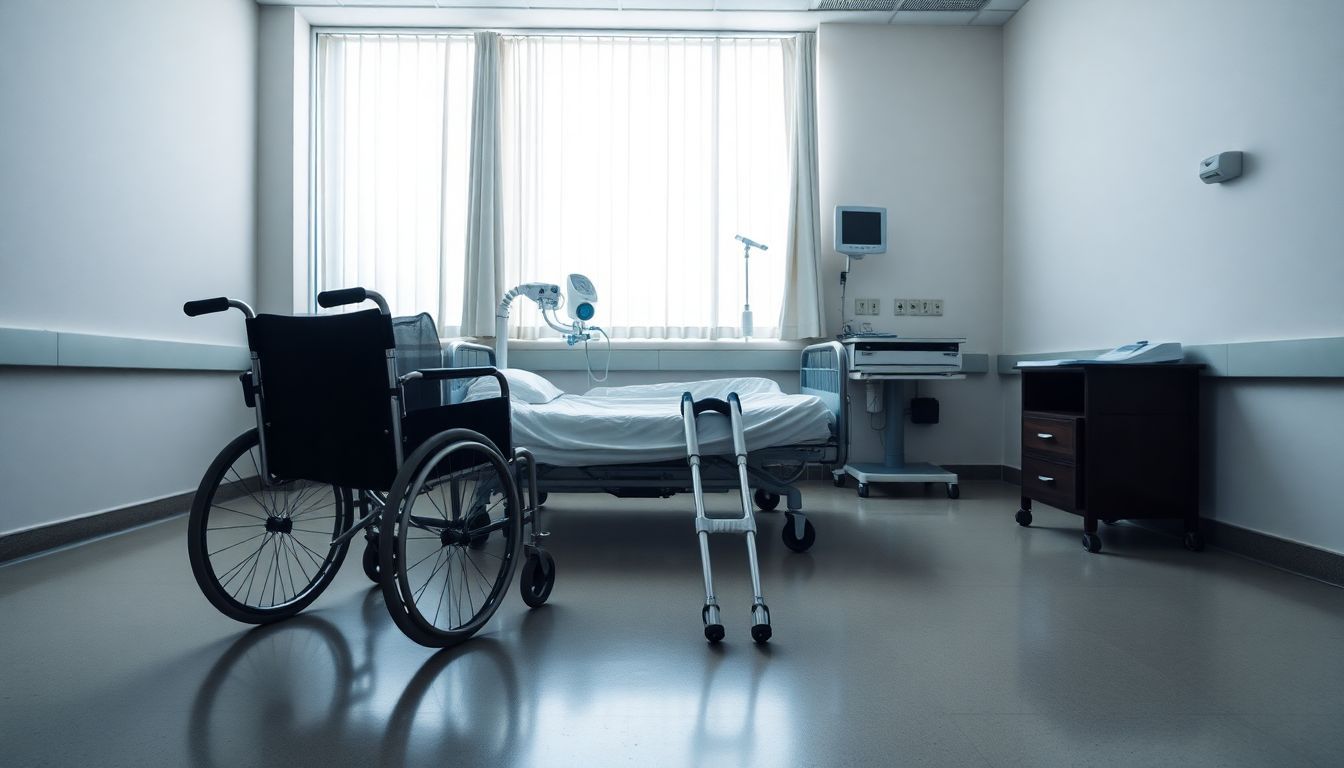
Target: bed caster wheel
<point>713,629</point>
<point>1193,541</point>
<point>791,539</point>
<point>838,480</point>
<point>371,559</point>
<point>1023,517</point>
<point>953,491</point>
<point>1092,542</point>
<point>863,490</point>
<point>537,578</point>
<point>765,500</point>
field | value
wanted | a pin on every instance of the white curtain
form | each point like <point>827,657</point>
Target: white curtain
<point>483,279</point>
<point>635,160</point>
<point>801,314</point>
<point>392,167</point>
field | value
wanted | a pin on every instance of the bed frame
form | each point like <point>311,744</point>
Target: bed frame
<point>773,471</point>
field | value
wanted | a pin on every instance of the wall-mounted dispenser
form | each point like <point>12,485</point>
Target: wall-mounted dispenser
<point>1223,166</point>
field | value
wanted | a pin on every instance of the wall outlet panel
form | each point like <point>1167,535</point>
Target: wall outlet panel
<point>898,306</point>
<point>936,308</point>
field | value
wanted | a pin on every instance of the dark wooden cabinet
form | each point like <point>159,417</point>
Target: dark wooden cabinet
<point>1112,442</point>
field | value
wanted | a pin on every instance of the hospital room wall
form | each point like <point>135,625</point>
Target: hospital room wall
<point>1110,236</point>
<point>128,143</point>
<point>911,118</point>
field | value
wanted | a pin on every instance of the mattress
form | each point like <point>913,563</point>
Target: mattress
<point>642,423</point>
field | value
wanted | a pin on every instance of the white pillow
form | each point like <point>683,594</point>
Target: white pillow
<point>525,386</point>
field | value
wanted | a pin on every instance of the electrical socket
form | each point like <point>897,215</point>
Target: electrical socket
<point>912,307</point>
<point>898,306</point>
<point>867,306</point>
<point>936,307</point>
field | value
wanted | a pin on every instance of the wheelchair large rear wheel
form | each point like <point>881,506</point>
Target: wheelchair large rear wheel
<point>452,530</point>
<point>262,553</point>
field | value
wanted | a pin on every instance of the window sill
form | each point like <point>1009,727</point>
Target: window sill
<point>731,356</point>
<point>720,345</point>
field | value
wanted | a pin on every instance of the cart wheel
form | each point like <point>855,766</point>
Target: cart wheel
<point>537,578</point>
<point>1023,517</point>
<point>953,491</point>
<point>838,480</point>
<point>371,559</point>
<point>863,490</point>
<point>1092,542</point>
<point>439,588</point>
<point>766,500</point>
<point>792,541</point>
<point>261,553</point>
<point>1193,541</point>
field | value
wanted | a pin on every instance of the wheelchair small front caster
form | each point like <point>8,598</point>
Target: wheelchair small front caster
<point>1193,541</point>
<point>537,579</point>
<point>1092,542</point>
<point>371,559</point>
<point>953,491</point>
<point>1023,517</point>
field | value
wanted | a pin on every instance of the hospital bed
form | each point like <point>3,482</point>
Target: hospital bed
<point>786,435</point>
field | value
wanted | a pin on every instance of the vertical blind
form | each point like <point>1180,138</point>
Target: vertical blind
<point>393,136</point>
<point>631,159</point>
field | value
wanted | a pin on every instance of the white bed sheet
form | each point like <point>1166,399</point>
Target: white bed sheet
<point>642,423</point>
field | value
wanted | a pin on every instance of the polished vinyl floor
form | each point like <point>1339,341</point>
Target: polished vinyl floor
<point>918,631</point>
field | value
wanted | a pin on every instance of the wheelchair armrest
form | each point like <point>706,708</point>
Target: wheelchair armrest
<point>435,374</point>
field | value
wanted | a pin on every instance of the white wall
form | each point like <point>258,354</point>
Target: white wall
<point>1110,236</point>
<point>283,67</point>
<point>911,118</point>
<point>127,143</point>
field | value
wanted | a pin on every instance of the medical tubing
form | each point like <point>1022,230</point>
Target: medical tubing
<point>606,370</point>
<point>205,306</point>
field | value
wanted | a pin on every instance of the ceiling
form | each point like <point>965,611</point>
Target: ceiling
<point>772,15</point>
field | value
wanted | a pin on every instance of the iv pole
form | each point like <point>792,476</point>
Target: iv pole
<point>747,245</point>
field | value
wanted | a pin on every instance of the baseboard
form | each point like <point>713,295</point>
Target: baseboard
<point>1301,559</point>
<point>34,540</point>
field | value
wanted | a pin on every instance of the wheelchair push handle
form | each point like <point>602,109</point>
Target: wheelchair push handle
<point>343,296</point>
<point>217,304</point>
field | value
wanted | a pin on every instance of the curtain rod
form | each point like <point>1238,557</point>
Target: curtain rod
<point>449,31</point>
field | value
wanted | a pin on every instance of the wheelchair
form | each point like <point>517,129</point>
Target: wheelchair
<point>336,452</point>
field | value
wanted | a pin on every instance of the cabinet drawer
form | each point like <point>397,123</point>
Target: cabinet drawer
<point>1050,481</point>
<point>1045,435</point>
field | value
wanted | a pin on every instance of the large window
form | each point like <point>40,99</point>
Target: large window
<point>631,159</point>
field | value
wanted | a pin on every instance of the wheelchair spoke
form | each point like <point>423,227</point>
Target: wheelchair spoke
<point>244,541</point>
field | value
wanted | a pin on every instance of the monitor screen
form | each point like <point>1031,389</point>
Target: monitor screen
<point>861,227</point>
<point>860,230</point>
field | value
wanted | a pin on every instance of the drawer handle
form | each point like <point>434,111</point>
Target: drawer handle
<point>1045,479</point>
<point>1045,436</point>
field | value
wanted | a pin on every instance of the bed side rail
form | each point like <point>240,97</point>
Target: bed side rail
<point>821,372</point>
<point>463,354</point>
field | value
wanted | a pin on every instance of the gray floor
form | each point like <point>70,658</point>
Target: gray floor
<point>918,631</point>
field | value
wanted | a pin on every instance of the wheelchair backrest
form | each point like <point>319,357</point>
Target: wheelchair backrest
<point>326,397</point>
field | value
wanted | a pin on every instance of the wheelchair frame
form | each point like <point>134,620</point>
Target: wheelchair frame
<point>378,518</point>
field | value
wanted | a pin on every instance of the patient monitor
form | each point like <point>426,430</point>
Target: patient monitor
<point>860,230</point>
